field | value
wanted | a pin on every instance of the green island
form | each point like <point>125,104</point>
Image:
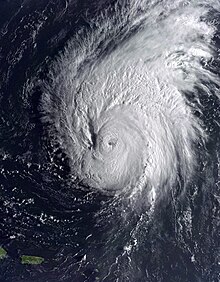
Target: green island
<point>31,260</point>
<point>3,253</point>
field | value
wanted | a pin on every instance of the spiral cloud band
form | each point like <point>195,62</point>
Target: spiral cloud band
<point>136,130</point>
<point>121,115</point>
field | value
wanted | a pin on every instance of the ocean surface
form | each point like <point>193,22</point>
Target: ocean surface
<point>109,140</point>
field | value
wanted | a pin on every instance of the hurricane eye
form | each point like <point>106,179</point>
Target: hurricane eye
<point>112,142</point>
<point>107,143</point>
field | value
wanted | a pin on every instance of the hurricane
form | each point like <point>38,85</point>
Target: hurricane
<point>120,121</point>
<point>116,97</point>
